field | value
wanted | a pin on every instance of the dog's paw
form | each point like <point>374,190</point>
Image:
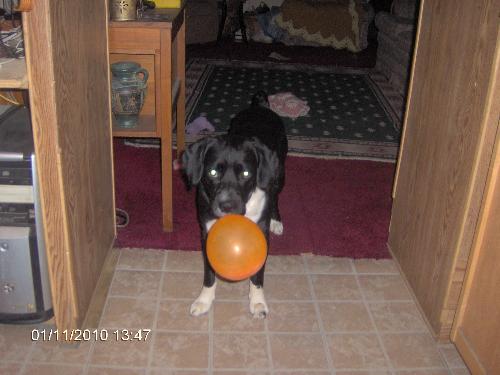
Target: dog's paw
<point>259,310</point>
<point>258,305</point>
<point>276,227</point>
<point>203,303</point>
<point>199,308</point>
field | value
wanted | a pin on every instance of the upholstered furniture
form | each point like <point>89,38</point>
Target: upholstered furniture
<point>330,23</point>
<point>396,30</point>
<point>202,21</point>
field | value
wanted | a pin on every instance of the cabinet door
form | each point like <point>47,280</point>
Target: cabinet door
<point>476,331</point>
<point>68,73</point>
<point>447,147</point>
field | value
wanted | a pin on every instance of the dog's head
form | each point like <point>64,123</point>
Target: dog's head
<point>229,169</point>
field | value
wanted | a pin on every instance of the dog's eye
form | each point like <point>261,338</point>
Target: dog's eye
<point>245,174</point>
<point>213,173</point>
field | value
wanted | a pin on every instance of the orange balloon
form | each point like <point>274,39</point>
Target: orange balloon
<point>236,247</point>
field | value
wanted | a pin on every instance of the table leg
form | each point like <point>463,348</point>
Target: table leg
<point>165,114</point>
<point>223,5</point>
<point>181,101</point>
<point>242,21</point>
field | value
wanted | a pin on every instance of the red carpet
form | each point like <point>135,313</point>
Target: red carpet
<point>329,207</point>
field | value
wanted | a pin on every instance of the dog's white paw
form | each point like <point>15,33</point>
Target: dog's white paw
<point>276,227</point>
<point>258,305</point>
<point>203,303</point>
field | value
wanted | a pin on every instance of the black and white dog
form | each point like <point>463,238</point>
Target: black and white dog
<point>241,172</point>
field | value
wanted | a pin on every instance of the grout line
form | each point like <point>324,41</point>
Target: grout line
<point>187,299</point>
<point>211,337</point>
<point>326,347</point>
<point>157,313</point>
<point>274,273</point>
<point>239,369</point>
<point>268,344</point>
<point>372,320</point>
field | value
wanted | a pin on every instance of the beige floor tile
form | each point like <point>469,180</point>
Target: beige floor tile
<point>10,368</point>
<point>184,261</point>
<point>180,350</point>
<point>144,284</point>
<point>325,264</point>
<point>345,317</point>
<point>364,372</point>
<point>241,372</point>
<point>336,287</point>
<point>15,341</point>
<point>235,316</point>
<point>245,351</point>
<point>284,264</point>
<point>174,315</point>
<point>140,259</point>
<point>424,372</point>
<point>451,356</point>
<point>182,285</point>
<point>292,317</point>
<point>460,371</point>
<point>121,353</point>
<point>375,266</point>
<point>384,287</point>
<point>356,351</point>
<point>412,350</point>
<point>51,369</point>
<point>397,316</point>
<point>309,372</point>
<point>232,290</point>
<point>97,370</point>
<point>298,351</point>
<point>128,313</point>
<point>177,372</point>
<point>287,287</point>
<point>60,352</point>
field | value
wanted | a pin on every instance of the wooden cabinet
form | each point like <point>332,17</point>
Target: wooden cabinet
<point>157,42</point>
<point>476,329</point>
<point>446,155</point>
<point>68,79</point>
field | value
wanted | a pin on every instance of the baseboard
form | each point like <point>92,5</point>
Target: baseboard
<point>468,355</point>
<point>100,294</point>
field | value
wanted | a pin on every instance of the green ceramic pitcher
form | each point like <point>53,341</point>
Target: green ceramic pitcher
<point>128,92</point>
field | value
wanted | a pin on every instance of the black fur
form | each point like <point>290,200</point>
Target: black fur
<point>256,143</point>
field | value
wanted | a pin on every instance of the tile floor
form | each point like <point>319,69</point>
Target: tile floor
<point>330,316</point>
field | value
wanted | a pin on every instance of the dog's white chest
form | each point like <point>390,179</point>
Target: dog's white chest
<point>255,205</point>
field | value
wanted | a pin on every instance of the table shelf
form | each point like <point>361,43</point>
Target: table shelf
<point>146,128</point>
<point>13,74</point>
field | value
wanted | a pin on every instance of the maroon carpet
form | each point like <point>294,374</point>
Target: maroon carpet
<point>329,207</point>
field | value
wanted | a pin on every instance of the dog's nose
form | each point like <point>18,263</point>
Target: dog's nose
<point>227,206</point>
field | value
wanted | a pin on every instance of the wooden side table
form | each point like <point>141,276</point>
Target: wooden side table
<point>157,42</point>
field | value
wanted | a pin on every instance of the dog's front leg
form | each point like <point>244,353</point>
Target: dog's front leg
<point>204,301</point>
<point>258,305</point>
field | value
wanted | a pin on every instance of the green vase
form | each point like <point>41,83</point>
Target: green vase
<point>128,92</point>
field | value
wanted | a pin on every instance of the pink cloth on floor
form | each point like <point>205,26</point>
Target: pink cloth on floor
<point>286,104</point>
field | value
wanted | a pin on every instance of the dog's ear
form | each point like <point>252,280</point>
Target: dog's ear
<point>267,170</point>
<point>193,160</point>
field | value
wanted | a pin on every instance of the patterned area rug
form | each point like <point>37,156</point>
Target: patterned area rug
<point>353,114</point>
